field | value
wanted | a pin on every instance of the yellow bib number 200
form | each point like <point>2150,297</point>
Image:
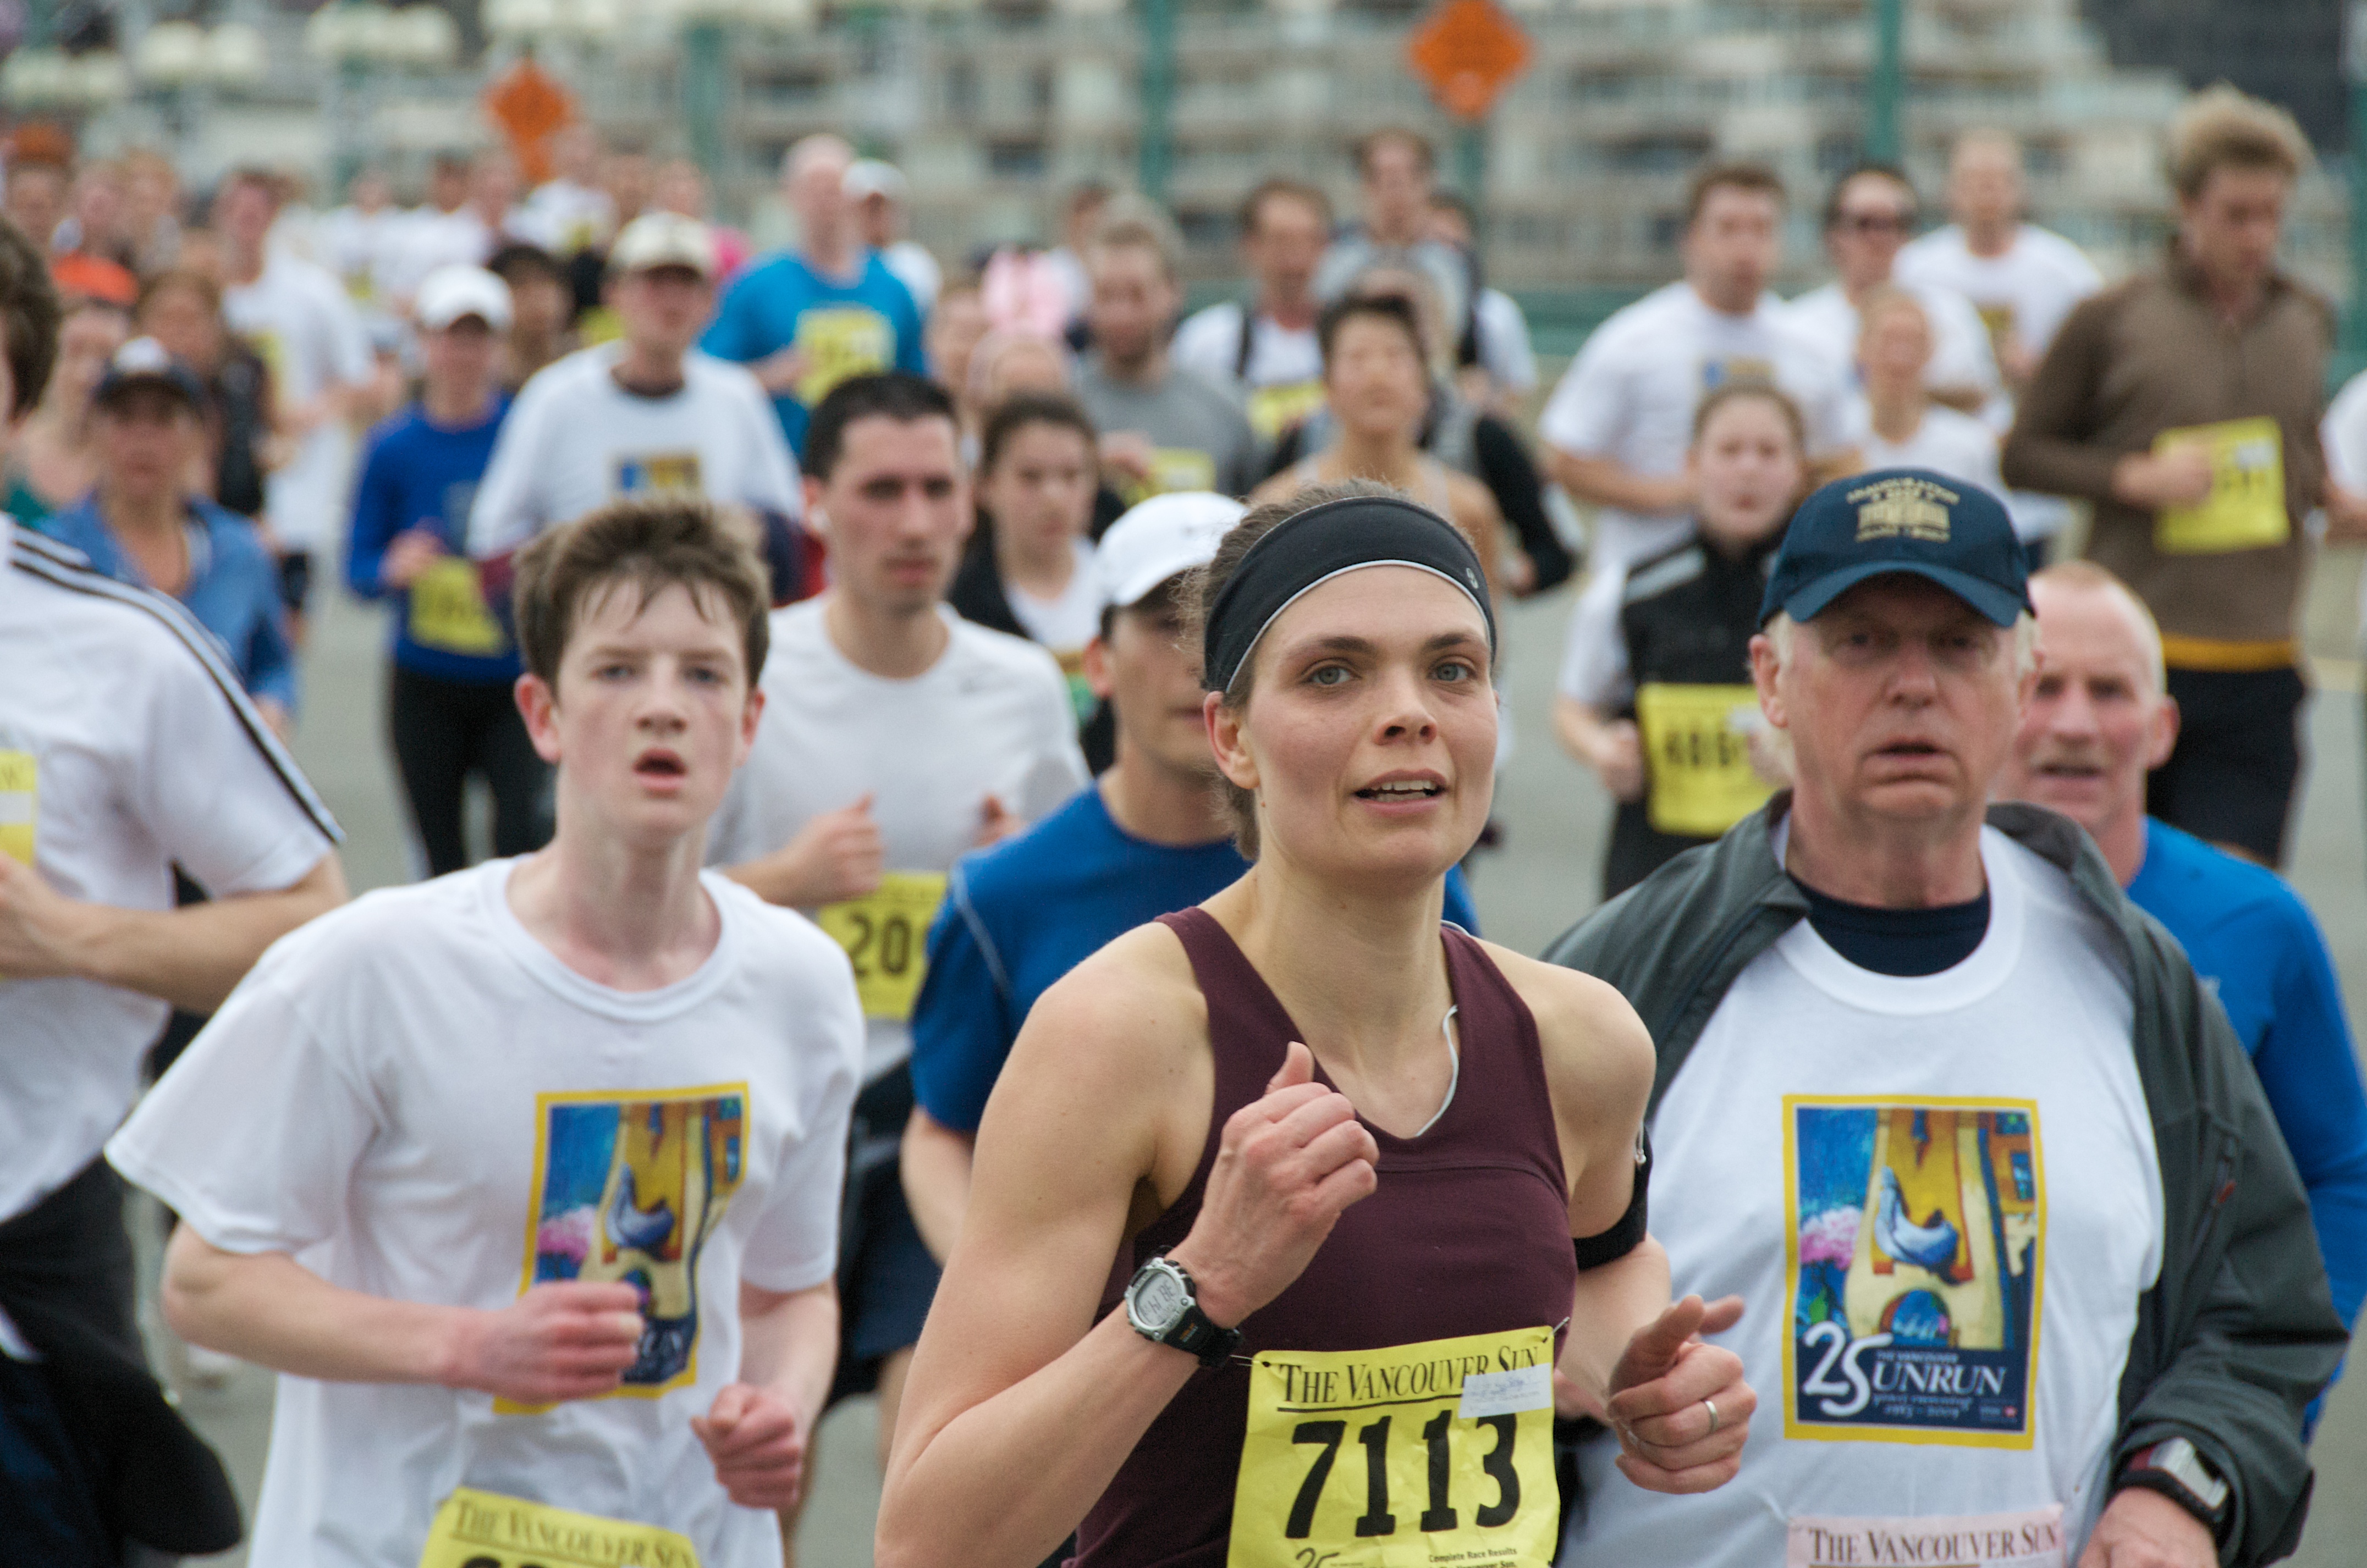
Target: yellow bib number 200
<point>886,934</point>
<point>1409,1456</point>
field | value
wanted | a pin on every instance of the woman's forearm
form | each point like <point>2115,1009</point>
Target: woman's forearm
<point>1005,1482</point>
<point>1610,1304</point>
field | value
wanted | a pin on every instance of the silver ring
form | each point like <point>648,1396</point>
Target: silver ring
<point>1715,1421</point>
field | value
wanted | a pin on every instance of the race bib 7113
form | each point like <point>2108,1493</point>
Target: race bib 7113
<point>484,1530</point>
<point>20,801</point>
<point>1917,1248</point>
<point>886,934</point>
<point>1408,1456</point>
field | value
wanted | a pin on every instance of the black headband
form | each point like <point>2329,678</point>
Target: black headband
<point>1318,546</point>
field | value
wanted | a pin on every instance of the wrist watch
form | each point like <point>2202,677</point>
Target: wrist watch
<point>1162,1307</point>
<point>2173,1467</point>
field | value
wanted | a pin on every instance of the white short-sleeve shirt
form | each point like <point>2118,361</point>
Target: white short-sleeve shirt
<point>1961,355</point>
<point>299,320</point>
<point>1941,1198</point>
<point>126,746</point>
<point>1631,393</point>
<point>1946,442</point>
<point>575,439</point>
<point>415,1099</point>
<point>2026,291</point>
<point>991,716</point>
<point>1209,342</point>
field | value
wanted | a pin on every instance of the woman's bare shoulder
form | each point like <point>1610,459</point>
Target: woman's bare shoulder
<point>1594,1043</point>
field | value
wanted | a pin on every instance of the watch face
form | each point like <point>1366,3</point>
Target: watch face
<point>1158,1299</point>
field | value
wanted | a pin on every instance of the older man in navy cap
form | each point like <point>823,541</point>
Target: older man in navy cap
<point>2031,1276</point>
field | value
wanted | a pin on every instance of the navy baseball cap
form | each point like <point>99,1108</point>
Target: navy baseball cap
<point>1892,520</point>
<point>143,362</point>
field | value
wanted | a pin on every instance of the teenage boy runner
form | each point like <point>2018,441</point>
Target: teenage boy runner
<point>1145,839</point>
<point>902,737</point>
<point>558,1139</point>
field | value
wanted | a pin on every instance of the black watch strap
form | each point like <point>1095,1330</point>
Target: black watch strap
<point>1196,1333</point>
<point>2169,1486</point>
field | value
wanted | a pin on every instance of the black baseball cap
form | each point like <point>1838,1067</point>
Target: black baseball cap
<point>1893,520</point>
<point>143,362</point>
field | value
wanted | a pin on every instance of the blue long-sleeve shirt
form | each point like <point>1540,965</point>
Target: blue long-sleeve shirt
<point>1022,914</point>
<point>2252,940</point>
<point>422,475</point>
<point>233,587</point>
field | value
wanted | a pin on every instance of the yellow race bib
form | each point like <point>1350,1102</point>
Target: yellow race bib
<point>886,934</point>
<point>2246,508</point>
<point>484,1530</point>
<point>1403,1458</point>
<point>20,799</point>
<point>1275,408</point>
<point>449,611</point>
<point>840,342</point>
<point>1173,469</point>
<point>1697,756</point>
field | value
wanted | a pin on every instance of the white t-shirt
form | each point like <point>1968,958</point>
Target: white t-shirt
<point>576,440</point>
<point>416,1099</point>
<point>2343,434</point>
<point>356,244</point>
<point>1941,1198</point>
<point>1594,652</point>
<point>917,270</point>
<point>1631,392</point>
<point>1947,442</point>
<point>126,746</point>
<point>991,717</point>
<point>1961,355</point>
<point>564,218</point>
<point>1503,342</point>
<point>296,317</point>
<point>2027,290</point>
<point>1066,623</point>
<point>1209,342</point>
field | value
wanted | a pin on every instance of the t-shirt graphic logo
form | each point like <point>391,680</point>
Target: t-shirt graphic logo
<point>1918,1233</point>
<point>629,1188</point>
<point>650,471</point>
<point>1915,508</point>
<point>1716,373</point>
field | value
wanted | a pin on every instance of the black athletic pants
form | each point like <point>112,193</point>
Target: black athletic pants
<point>445,731</point>
<point>2231,779</point>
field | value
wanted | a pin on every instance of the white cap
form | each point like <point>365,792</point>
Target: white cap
<point>870,176</point>
<point>1152,542</point>
<point>663,239</point>
<point>451,292</point>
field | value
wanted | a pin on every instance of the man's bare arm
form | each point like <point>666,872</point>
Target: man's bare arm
<point>1606,481</point>
<point>936,1164</point>
<point>191,957</point>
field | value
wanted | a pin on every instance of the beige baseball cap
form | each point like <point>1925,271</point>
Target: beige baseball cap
<point>663,239</point>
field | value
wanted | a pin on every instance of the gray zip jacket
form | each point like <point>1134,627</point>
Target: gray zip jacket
<point>2239,1333</point>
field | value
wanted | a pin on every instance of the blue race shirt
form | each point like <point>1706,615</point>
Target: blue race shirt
<point>2253,942</point>
<point>845,329</point>
<point>421,474</point>
<point>1019,916</point>
<point>233,587</point>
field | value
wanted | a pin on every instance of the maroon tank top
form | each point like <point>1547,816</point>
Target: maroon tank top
<point>1466,1232</point>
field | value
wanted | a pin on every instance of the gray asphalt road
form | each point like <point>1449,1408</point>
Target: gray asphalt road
<point>1527,892</point>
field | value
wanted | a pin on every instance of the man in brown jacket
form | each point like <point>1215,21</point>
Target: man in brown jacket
<point>2185,403</point>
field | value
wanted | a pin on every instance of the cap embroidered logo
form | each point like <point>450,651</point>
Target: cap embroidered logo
<point>1913,507</point>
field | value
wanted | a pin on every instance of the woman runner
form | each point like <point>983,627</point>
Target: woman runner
<point>1221,1298</point>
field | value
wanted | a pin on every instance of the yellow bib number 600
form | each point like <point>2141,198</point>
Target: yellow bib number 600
<point>1401,1458</point>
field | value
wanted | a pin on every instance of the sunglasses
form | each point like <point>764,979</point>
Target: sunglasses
<point>1876,222</point>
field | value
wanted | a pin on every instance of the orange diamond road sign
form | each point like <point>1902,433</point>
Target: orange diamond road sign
<point>1467,52</point>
